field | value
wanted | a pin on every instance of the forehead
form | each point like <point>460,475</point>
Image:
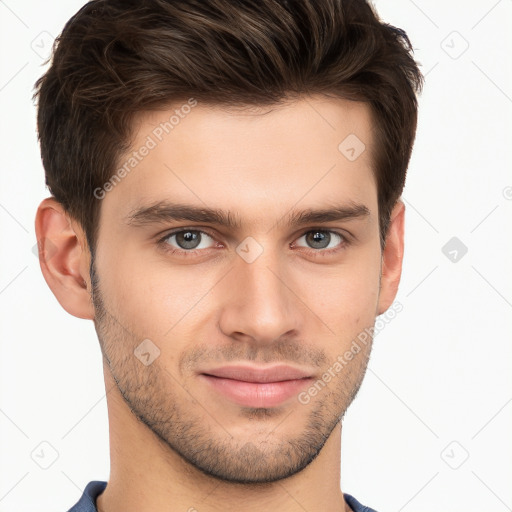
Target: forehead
<point>256,160</point>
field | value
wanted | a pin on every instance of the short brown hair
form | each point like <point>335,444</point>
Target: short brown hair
<point>117,58</point>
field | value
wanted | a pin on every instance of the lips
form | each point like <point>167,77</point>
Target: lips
<point>256,387</point>
<point>261,375</point>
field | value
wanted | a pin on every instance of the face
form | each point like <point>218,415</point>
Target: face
<point>261,282</point>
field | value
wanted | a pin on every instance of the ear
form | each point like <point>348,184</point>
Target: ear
<point>392,257</point>
<point>64,258</point>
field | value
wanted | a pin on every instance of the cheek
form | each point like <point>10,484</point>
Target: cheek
<point>346,295</point>
<point>129,287</point>
<point>153,299</point>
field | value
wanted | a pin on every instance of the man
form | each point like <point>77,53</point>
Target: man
<point>226,181</point>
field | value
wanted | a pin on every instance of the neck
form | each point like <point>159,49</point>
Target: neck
<point>148,476</point>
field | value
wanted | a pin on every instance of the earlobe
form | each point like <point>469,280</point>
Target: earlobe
<point>64,258</point>
<point>392,257</point>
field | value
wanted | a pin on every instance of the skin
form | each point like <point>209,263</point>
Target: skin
<point>175,443</point>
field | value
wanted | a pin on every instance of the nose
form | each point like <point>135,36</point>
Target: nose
<point>259,303</point>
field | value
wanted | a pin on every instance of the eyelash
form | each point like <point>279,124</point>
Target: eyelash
<point>162,242</point>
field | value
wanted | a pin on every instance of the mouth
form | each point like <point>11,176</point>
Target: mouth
<point>257,387</point>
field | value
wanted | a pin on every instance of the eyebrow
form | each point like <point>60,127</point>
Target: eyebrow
<point>165,211</point>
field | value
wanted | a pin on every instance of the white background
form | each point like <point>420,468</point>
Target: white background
<point>438,388</point>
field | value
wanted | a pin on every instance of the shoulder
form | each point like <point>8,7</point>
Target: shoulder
<point>87,502</point>
<point>355,505</point>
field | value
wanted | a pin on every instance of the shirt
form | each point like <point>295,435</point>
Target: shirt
<point>87,502</point>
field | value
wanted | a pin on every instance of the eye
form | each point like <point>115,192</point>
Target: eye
<point>323,241</point>
<point>190,242</point>
<point>186,241</point>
